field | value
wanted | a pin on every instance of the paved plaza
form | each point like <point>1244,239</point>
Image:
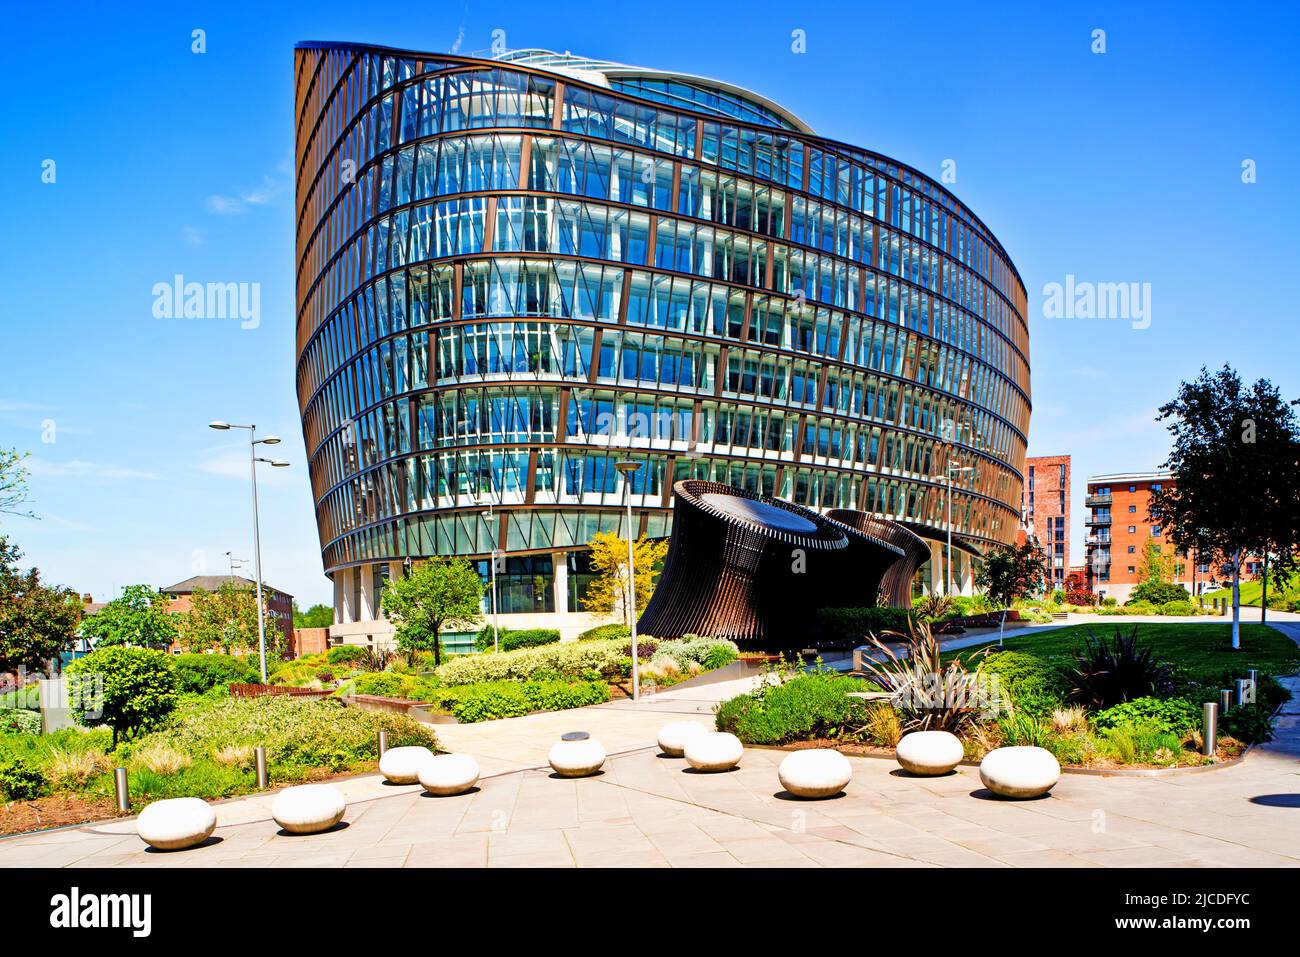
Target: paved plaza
<point>647,810</point>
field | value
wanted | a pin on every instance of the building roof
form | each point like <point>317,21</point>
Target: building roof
<point>1155,475</point>
<point>213,582</point>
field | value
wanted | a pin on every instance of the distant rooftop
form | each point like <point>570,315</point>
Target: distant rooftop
<point>214,582</point>
<point>1156,475</point>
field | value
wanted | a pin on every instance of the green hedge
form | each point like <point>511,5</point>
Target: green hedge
<point>19,721</point>
<point>308,733</point>
<point>709,653</point>
<point>1174,715</point>
<point>855,623</point>
<point>605,632</point>
<point>28,698</point>
<point>589,660</point>
<point>511,699</point>
<point>813,704</point>
<point>1032,685</point>
<point>199,674</point>
<point>345,654</point>
<point>390,684</point>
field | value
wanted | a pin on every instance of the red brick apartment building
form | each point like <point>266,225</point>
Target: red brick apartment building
<point>1045,508</point>
<point>278,603</point>
<point>1119,528</point>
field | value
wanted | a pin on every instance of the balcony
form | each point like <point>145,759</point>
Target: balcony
<point>1096,519</point>
<point>1092,501</point>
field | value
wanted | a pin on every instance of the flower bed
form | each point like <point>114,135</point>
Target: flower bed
<point>1095,703</point>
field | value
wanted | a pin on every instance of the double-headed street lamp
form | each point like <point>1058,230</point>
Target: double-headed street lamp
<point>627,470</point>
<point>253,459</point>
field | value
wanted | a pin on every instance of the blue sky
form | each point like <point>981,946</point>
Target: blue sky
<point>1124,166</point>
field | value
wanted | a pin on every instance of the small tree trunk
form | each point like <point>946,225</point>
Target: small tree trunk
<point>1263,599</point>
<point>1236,600</point>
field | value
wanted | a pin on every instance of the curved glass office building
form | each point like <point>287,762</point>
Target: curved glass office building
<point>513,272</point>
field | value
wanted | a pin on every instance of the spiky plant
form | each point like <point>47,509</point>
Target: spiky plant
<point>928,695</point>
<point>1109,674</point>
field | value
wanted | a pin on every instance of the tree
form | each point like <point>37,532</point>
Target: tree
<point>1236,475</point>
<point>139,618</point>
<point>438,592</point>
<point>37,621</point>
<point>317,616</point>
<point>13,482</point>
<point>226,619</point>
<point>607,592</point>
<point>1076,590</point>
<point>1157,567</point>
<point>128,689</point>
<point>1010,572</point>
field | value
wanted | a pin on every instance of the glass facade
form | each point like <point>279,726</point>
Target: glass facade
<point>510,277</point>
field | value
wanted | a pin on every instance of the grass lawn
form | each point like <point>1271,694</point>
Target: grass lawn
<point>1203,652</point>
<point>1253,591</point>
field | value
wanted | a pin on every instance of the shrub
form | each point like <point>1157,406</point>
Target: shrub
<point>700,650</point>
<point>934,607</point>
<point>1107,675</point>
<point>812,704</point>
<point>295,732</point>
<point>199,674</point>
<point>20,722</point>
<point>1159,593</point>
<point>1248,722</point>
<point>579,659</point>
<point>883,726</point>
<point>74,769</point>
<point>1176,715</point>
<point>129,689</point>
<point>384,684</point>
<point>21,780</point>
<point>22,699</point>
<point>1141,744</point>
<point>1069,720</point>
<point>645,647</point>
<point>605,632</point>
<point>1181,607</point>
<point>234,756</point>
<point>530,638</point>
<point>345,654</point>
<point>1025,681</point>
<point>856,623</point>
<point>161,759</point>
<point>1024,730</point>
<point>511,699</point>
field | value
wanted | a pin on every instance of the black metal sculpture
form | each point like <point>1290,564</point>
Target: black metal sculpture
<point>896,582</point>
<point>756,569</point>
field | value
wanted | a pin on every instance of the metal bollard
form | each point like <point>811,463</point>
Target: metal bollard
<point>1243,691</point>
<point>263,778</point>
<point>1210,731</point>
<point>383,744</point>
<point>123,789</point>
<point>1252,675</point>
<point>1225,700</point>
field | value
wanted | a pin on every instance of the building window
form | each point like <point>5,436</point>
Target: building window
<point>1131,569</point>
<point>1132,529</point>
<point>1132,549</point>
<point>1155,531</point>
<point>1132,508</point>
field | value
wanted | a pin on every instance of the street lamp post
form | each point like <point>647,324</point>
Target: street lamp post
<point>492,561</point>
<point>253,459</point>
<point>947,476</point>
<point>627,469</point>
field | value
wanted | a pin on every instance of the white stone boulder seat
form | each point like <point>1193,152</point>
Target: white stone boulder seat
<point>448,774</point>
<point>1020,772</point>
<point>815,773</point>
<point>176,823</point>
<point>929,752</point>
<point>402,765</point>
<point>308,808</point>
<point>674,735</point>
<point>576,755</point>
<point>713,751</point>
